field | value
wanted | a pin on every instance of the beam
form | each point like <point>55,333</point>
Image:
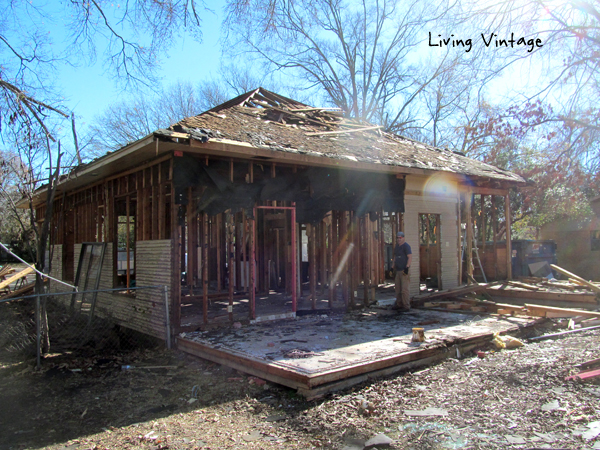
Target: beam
<point>568,274</point>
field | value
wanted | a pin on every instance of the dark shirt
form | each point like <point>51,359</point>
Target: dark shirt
<point>401,253</point>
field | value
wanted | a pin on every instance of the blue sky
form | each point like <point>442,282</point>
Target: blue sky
<point>88,90</point>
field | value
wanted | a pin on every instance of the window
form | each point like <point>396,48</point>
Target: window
<point>595,240</point>
<point>125,242</point>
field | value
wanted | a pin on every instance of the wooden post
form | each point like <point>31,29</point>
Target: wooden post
<point>176,279</point>
<point>438,241</point>
<point>298,257</point>
<point>459,240</point>
<point>381,257</point>
<point>482,223</point>
<point>356,253</point>
<point>494,229</point>
<point>312,264</point>
<point>332,259</point>
<point>365,259</point>
<point>469,237</point>
<point>231,259</point>
<point>293,252</point>
<point>191,242</point>
<point>155,204</point>
<point>205,243</point>
<point>127,234</point>
<point>139,214</point>
<point>239,230</point>
<point>322,252</point>
<point>245,260</point>
<point>508,237</point>
<point>252,261</point>
<point>344,248</point>
<point>218,224</point>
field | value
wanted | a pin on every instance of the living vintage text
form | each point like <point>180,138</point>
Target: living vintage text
<point>489,40</point>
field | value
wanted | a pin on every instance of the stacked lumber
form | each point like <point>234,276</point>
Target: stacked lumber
<point>474,305</point>
<point>5,285</point>
<point>575,291</point>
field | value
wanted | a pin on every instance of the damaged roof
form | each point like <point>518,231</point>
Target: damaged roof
<point>267,120</point>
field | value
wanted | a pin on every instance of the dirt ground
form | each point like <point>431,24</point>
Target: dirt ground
<point>509,399</point>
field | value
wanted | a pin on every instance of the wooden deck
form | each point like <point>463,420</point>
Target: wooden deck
<point>317,354</point>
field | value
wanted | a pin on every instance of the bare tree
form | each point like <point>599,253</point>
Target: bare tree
<point>132,40</point>
<point>357,54</point>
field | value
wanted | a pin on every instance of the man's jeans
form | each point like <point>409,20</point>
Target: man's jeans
<point>402,290</point>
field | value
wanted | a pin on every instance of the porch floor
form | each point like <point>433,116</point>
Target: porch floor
<point>323,352</point>
<point>272,305</point>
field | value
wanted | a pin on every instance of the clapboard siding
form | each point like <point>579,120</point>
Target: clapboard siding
<point>144,311</point>
<point>446,207</point>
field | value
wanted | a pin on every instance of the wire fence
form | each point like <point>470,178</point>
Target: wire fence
<point>68,323</point>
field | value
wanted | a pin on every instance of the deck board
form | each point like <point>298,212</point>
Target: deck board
<point>343,347</point>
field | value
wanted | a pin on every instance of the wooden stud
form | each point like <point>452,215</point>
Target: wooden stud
<point>176,278</point>
<point>459,236</point>
<point>238,249</point>
<point>334,244</point>
<point>218,222</point>
<point>494,230</point>
<point>508,238</point>
<point>252,263</point>
<point>381,257</point>
<point>324,236</point>
<point>190,270</point>
<point>482,225</point>
<point>469,236</point>
<point>312,264</point>
<point>205,243</point>
<point>230,219</point>
<point>156,201</point>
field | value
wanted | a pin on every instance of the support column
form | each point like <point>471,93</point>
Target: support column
<point>508,237</point>
<point>231,262</point>
<point>312,264</point>
<point>251,262</point>
<point>469,237</point>
<point>205,243</point>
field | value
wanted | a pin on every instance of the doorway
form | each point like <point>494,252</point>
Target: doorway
<point>430,252</point>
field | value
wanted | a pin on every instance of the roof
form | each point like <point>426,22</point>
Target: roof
<point>263,119</point>
<point>263,125</point>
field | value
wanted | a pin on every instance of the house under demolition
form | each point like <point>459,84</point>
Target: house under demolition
<point>264,208</point>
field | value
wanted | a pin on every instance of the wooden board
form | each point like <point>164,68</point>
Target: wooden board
<point>549,311</point>
<point>576,277</point>
<point>16,276</point>
<point>28,288</point>
<point>585,375</point>
<point>543,295</point>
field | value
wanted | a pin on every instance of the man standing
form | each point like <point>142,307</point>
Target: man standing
<point>402,261</point>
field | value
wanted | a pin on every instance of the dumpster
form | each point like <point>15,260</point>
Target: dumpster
<point>529,257</point>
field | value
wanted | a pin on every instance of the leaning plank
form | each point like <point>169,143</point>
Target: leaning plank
<point>16,276</point>
<point>549,311</point>
<point>568,274</point>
